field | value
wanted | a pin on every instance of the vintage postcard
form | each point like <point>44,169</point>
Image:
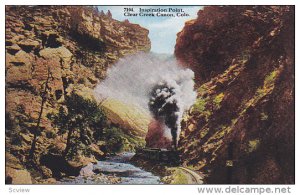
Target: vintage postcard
<point>151,94</point>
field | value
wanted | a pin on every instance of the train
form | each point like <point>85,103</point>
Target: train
<point>160,155</point>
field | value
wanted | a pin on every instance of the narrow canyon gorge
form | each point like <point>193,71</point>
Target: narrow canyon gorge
<point>84,94</point>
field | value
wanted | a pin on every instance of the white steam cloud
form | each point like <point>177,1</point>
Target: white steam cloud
<point>133,78</point>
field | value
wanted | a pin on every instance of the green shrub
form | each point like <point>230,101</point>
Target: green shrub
<point>218,99</point>
<point>117,140</point>
<point>200,104</point>
<point>253,145</point>
<point>263,116</point>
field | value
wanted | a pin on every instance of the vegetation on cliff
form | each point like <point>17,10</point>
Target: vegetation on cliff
<point>82,120</point>
<point>70,49</point>
<point>240,129</point>
<point>243,58</point>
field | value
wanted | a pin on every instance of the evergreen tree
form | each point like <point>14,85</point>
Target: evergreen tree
<point>81,117</point>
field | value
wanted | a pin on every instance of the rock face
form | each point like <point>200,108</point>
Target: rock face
<point>243,58</point>
<point>71,47</point>
<point>17,176</point>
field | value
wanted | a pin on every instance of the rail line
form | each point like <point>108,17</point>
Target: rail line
<point>197,178</point>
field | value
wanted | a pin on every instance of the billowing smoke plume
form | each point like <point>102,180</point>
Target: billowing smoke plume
<point>156,83</point>
<point>165,106</point>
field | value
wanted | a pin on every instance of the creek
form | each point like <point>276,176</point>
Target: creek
<point>116,166</point>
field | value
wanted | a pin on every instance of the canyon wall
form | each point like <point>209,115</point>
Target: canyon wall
<point>64,49</point>
<point>241,129</point>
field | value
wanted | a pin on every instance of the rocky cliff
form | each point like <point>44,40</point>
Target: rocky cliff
<point>52,51</point>
<point>241,129</point>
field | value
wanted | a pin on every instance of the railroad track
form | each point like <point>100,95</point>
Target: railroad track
<point>197,179</point>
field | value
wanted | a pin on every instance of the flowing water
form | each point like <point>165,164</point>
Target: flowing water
<point>118,166</point>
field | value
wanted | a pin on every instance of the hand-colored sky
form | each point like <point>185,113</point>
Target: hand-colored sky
<point>163,30</point>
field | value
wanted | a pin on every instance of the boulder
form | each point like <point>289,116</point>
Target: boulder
<point>60,53</point>
<point>87,171</point>
<point>17,176</point>
<point>96,151</point>
<point>58,165</point>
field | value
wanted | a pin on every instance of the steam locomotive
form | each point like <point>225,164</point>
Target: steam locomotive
<point>159,155</point>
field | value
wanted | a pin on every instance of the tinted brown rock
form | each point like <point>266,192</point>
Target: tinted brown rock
<point>243,58</point>
<point>75,45</point>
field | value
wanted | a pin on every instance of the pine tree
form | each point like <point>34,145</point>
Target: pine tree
<point>79,115</point>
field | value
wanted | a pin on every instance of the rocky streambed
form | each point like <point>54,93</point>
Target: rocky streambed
<point>114,170</point>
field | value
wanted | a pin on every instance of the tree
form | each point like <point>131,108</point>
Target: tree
<point>37,130</point>
<point>109,14</point>
<point>85,117</point>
